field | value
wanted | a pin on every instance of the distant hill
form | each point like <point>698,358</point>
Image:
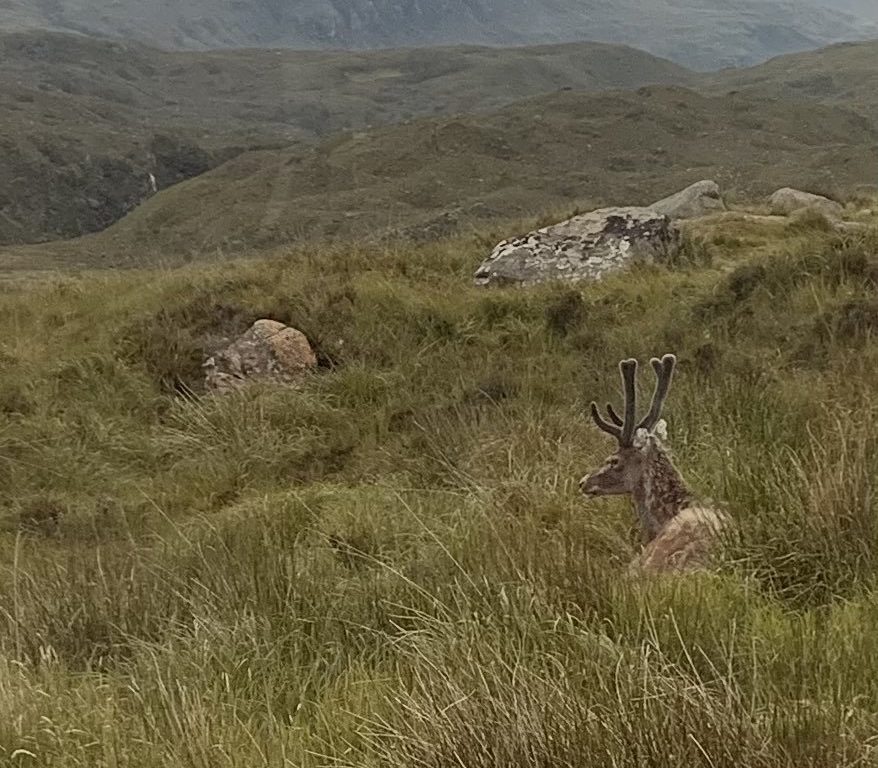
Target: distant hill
<point>83,122</point>
<point>89,129</point>
<point>704,34</point>
<point>866,9</point>
<point>844,74</point>
<point>432,177</point>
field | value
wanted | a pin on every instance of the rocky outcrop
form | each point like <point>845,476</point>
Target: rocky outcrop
<point>787,200</point>
<point>586,247</point>
<point>268,350</point>
<point>699,199</point>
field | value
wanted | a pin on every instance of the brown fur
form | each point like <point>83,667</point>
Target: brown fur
<point>678,532</point>
<point>684,543</point>
<point>661,492</point>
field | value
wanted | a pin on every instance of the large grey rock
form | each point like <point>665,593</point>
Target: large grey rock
<point>586,247</point>
<point>268,350</point>
<point>787,200</point>
<point>698,199</point>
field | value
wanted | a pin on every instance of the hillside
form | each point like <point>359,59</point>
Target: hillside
<point>391,565</point>
<point>845,75</point>
<point>84,122</point>
<point>431,178</point>
<point>705,34</point>
<point>865,9</point>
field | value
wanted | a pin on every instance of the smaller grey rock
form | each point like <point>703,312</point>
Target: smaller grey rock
<point>698,199</point>
<point>787,200</point>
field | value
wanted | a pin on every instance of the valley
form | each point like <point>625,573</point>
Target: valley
<point>437,178</point>
<point>83,123</point>
<point>411,141</point>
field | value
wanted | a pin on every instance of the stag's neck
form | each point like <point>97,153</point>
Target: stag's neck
<point>661,494</point>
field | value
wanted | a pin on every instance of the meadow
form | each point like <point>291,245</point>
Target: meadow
<point>391,565</point>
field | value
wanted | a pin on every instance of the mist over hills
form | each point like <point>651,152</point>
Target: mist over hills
<point>704,34</point>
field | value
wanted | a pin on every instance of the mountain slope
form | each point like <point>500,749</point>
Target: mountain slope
<point>866,9</point>
<point>84,122</point>
<point>700,33</point>
<point>845,74</point>
<point>433,177</point>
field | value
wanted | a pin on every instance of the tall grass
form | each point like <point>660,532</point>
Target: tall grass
<point>389,565</point>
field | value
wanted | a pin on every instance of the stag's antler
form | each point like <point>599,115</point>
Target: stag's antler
<point>664,372</point>
<point>624,428</point>
<point>621,428</point>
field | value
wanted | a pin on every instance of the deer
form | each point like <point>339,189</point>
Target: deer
<point>678,531</point>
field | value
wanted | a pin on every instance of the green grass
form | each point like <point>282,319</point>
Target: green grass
<point>390,565</point>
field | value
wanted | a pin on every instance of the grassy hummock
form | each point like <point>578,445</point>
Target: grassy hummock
<point>390,565</point>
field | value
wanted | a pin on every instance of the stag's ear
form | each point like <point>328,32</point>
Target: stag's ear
<point>657,436</point>
<point>660,430</point>
<point>641,439</point>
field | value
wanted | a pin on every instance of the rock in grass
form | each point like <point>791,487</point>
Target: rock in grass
<point>699,199</point>
<point>787,200</point>
<point>586,247</point>
<point>268,350</point>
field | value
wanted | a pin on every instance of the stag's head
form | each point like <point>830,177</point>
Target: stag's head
<point>622,472</point>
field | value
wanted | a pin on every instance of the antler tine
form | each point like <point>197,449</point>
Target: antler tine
<point>603,424</point>
<point>628,369</point>
<point>614,417</point>
<point>621,428</point>
<point>664,371</point>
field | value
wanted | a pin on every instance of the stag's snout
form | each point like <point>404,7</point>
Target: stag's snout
<point>588,486</point>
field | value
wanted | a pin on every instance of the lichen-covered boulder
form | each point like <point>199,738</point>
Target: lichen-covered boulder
<point>586,247</point>
<point>698,199</point>
<point>268,350</point>
<point>787,200</point>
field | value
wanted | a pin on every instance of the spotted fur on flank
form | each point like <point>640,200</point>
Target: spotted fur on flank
<point>684,543</point>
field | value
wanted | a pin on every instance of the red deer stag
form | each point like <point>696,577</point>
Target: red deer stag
<point>677,529</point>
